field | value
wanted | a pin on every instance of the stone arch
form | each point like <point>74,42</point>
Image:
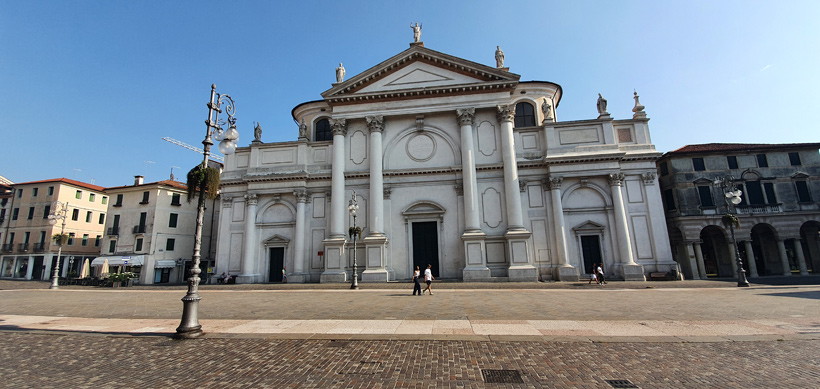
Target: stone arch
<point>810,244</point>
<point>717,258</point>
<point>276,211</point>
<point>426,139</point>
<point>589,194</point>
<point>764,244</point>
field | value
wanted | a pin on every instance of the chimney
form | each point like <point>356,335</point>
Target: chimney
<point>138,180</point>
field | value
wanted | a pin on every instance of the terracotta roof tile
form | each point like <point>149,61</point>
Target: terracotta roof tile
<point>65,180</point>
<point>750,147</point>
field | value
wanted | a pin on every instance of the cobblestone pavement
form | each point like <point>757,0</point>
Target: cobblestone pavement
<point>30,360</point>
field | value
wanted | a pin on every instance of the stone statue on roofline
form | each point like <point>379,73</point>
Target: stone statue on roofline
<point>499,57</point>
<point>546,109</point>
<point>416,32</point>
<point>303,131</point>
<point>257,132</point>
<point>340,73</point>
<point>601,106</point>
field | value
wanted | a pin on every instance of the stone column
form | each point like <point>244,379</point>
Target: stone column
<point>475,249</point>
<point>298,274</point>
<point>732,248</point>
<point>750,259</point>
<point>515,218</point>
<point>375,241</point>
<point>566,272</point>
<point>689,249</point>
<point>334,245</point>
<point>518,250</point>
<point>249,274</point>
<point>784,259</point>
<point>801,259</point>
<point>699,258</point>
<point>631,270</point>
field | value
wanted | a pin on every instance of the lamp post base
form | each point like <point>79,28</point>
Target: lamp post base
<point>189,328</point>
<point>741,278</point>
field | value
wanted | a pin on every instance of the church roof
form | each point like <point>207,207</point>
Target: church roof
<point>419,72</point>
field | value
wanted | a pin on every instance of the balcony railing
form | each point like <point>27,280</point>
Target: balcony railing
<point>758,209</point>
<point>39,247</point>
<point>22,247</point>
<point>7,247</point>
<point>113,231</point>
<point>139,229</point>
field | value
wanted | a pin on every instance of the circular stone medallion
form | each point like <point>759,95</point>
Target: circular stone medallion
<point>421,147</point>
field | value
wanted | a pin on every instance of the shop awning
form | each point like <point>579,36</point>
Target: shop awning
<point>165,263</point>
<point>119,260</point>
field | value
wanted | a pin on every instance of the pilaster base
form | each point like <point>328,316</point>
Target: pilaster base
<point>296,278</point>
<point>633,272</point>
<point>332,277</point>
<point>526,273</point>
<point>567,274</point>
<point>334,263</point>
<point>374,275</point>
<point>476,274</point>
<point>248,278</point>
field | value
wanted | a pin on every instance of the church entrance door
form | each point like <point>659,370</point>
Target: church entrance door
<point>277,263</point>
<point>591,249</point>
<point>425,246</point>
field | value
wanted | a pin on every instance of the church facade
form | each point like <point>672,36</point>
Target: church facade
<point>454,164</point>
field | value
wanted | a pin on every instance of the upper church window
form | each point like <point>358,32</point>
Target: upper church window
<point>322,131</point>
<point>524,115</point>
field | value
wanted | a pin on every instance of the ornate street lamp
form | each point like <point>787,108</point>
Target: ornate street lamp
<point>190,327</point>
<point>58,212</point>
<point>355,232</point>
<point>731,194</point>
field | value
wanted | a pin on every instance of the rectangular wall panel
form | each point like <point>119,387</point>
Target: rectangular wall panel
<point>496,253</point>
<point>641,237</point>
<point>235,253</point>
<point>316,237</point>
<point>634,194</point>
<point>319,205</point>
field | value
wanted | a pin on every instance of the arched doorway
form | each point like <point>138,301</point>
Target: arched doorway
<point>764,244</point>
<point>810,242</point>
<point>716,256</point>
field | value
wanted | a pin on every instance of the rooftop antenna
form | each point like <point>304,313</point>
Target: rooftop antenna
<point>214,157</point>
<point>75,173</point>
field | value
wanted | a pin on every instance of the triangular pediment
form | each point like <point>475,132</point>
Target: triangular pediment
<point>588,226</point>
<point>276,240</point>
<point>419,72</point>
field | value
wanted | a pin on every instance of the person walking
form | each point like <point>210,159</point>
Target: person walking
<point>592,276</point>
<point>416,284</point>
<point>428,278</point>
<point>600,271</point>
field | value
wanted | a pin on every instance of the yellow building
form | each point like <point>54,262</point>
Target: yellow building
<point>29,250</point>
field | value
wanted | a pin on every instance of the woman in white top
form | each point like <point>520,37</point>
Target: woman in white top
<point>428,278</point>
<point>416,284</point>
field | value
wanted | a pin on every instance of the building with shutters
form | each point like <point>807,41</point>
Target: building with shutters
<point>778,213</point>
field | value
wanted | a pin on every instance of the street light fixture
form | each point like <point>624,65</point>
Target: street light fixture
<point>58,212</point>
<point>731,194</point>
<point>189,327</point>
<point>354,231</point>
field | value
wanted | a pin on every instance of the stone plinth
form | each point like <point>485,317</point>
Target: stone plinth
<point>633,272</point>
<point>567,274</point>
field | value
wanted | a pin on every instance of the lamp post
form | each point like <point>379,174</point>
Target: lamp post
<point>731,194</point>
<point>189,327</point>
<point>354,232</point>
<point>58,212</point>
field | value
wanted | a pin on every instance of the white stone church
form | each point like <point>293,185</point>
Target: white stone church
<point>454,164</point>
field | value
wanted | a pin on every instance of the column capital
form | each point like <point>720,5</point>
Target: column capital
<point>301,195</point>
<point>386,192</point>
<point>506,113</point>
<point>554,182</point>
<point>251,198</point>
<point>648,178</point>
<point>616,179</point>
<point>375,123</point>
<point>227,201</point>
<point>466,116</point>
<point>338,126</point>
<point>459,187</point>
<point>522,185</point>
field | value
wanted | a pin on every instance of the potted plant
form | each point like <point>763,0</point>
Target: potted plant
<point>60,239</point>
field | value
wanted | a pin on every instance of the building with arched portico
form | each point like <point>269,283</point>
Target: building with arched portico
<point>453,163</point>
<point>778,212</point>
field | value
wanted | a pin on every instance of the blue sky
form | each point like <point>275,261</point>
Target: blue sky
<point>89,88</point>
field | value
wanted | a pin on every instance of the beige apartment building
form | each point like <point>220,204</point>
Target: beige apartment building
<point>28,248</point>
<point>150,231</point>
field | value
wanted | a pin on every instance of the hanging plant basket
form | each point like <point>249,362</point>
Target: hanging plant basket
<point>60,239</point>
<point>205,179</point>
<point>729,219</point>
